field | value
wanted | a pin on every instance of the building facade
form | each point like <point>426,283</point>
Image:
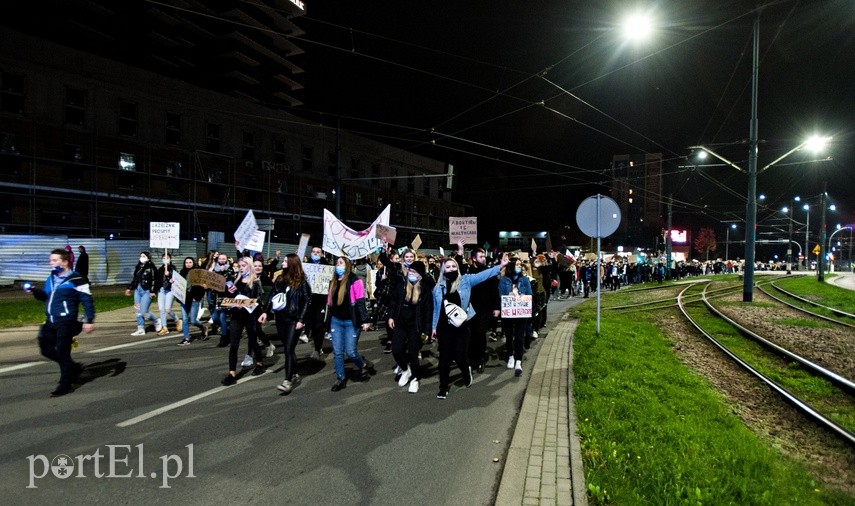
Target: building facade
<point>636,186</point>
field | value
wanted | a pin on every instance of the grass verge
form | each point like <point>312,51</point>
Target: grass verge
<point>29,311</point>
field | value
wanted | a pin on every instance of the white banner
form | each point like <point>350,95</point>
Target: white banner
<point>304,243</point>
<point>341,240</point>
<point>257,241</point>
<point>243,235</point>
<point>164,235</point>
<point>465,228</point>
<point>179,287</point>
<point>516,306</point>
<point>319,276</point>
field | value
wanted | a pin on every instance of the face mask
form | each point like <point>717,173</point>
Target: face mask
<point>315,258</point>
<point>406,264</point>
<point>413,278</point>
<point>143,259</point>
<point>244,275</point>
<point>451,276</point>
<point>58,269</point>
<point>339,271</point>
<point>166,261</point>
<point>518,270</point>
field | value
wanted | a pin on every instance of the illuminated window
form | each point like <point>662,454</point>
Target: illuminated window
<point>127,161</point>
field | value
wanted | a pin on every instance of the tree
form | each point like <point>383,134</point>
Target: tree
<point>705,242</point>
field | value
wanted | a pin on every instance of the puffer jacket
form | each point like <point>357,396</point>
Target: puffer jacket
<point>63,296</point>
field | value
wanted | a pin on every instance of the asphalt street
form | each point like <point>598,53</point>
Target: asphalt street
<point>159,426</point>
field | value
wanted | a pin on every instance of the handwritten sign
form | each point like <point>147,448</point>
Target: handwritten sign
<point>256,243</point>
<point>387,232</point>
<point>465,228</point>
<point>164,235</point>
<point>179,286</point>
<point>304,243</point>
<point>341,240</point>
<point>237,302</point>
<point>417,242</point>
<point>208,279</point>
<point>248,227</point>
<point>319,276</point>
<point>516,306</point>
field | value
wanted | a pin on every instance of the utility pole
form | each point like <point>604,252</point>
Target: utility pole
<point>668,237</point>
<point>751,206</point>
<point>790,244</point>
<point>820,262</point>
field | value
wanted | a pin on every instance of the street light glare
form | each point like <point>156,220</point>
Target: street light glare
<point>817,143</point>
<point>637,26</point>
<point>702,155</point>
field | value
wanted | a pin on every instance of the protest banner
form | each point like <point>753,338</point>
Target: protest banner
<point>516,306</point>
<point>179,286</point>
<point>465,228</point>
<point>417,242</point>
<point>208,279</point>
<point>164,235</point>
<point>243,235</point>
<point>319,276</point>
<point>256,243</point>
<point>240,301</point>
<point>533,245</point>
<point>341,240</point>
<point>387,232</point>
<point>301,247</point>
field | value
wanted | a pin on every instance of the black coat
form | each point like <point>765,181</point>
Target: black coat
<point>297,304</point>
<point>424,306</point>
<point>144,275</point>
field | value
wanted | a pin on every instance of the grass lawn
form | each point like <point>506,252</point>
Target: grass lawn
<point>29,311</point>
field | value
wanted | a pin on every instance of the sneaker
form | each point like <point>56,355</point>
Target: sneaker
<point>387,349</point>
<point>469,380</point>
<point>258,370</point>
<point>398,373</point>
<point>315,355</point>
<point>304,338</point>
<point>229,380</point>
<point>270,351</point>
<point>247,361</point>
<point>157,326</point>
<point>443,393</point>
<point>518,369</point>
<point>139,332</point>
<point>405,377</point>
<point>285,387</point>
<point>296,379</point>
<point>162,331</point>
<point>204,333</point>
<point>339,385</point>
<point>60,391</point>
<point>184,342</point>
<point>534,334</point>
<point>414,387</point>
<point>511,362</point>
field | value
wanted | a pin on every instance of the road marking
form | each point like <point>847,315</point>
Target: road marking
<point>135,343</point>
<point>175,405</point>
<point>20,366</point>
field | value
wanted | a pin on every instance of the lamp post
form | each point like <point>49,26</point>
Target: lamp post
<point>806,207</point>
<point>727,242</point>
<point>790,243</point>
<point>839,228</point>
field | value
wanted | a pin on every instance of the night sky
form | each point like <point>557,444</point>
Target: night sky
<point>530,100</point>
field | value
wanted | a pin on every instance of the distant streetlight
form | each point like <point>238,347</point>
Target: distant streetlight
<point>637,26</point>
<point>727,241</point>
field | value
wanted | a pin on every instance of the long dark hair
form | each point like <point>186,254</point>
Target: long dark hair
<point>293,275</point>
<point>335,284</point>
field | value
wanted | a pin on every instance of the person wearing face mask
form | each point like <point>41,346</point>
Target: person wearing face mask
<point>219,316</point>
<point>485,301</point>
<point>192,301</point>
<point>453,341</point>
<point>514,282</point>
<point>142,287</point>
<point>409,316</point>
<point>266,286</point>
<point>246,285</point>
<point>347,315</point>
<point>389,280</point>
<point>315,321</point>
<point>165,297</point>
<point>63,292</point>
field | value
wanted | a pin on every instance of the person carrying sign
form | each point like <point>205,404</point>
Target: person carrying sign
<point>142,287</point>
<point>315,320</point>
<point>247,286</point>
<point>513,282</point>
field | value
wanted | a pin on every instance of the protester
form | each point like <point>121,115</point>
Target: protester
<point>219,316</point>
<point>485,301</point>
<point>192,300</point>
<point>513,282</point>
<point>347,315</point>
<point>316,316</point>
<point>246,286</point>
<point>63,292</point>
<point>165,297</point>
<point>289,303</point>
<point>452,288</point>
<point>82,266</point>
<point>266,286</point>
<point>142,287</point>
<point>410,315</point>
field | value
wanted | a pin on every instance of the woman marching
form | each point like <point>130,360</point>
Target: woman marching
<point>192,300</point>
<point>410,314</point>
<point>289,303</point>
<point>165,297</point>
<point>514,282</point>
<point>142,288</point>
<point>245,286</point>
<point>347,315</point>
<point>451,298</point>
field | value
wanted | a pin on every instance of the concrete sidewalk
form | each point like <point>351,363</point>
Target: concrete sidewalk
<point>544,462</point>
<point>843,280</point>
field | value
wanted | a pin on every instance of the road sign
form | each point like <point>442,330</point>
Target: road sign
<point>609,216</point>
<point>266,224</point>
<point>816,250</point>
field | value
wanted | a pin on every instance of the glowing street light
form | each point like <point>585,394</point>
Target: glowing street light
<point>637,26</point>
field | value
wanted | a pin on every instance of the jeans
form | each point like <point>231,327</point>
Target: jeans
<point>189,312</point>
<point>218,316</point>
<point>142,298</point>
<point>344,338</point>
<point>164,305</point>
<point>55,344</point>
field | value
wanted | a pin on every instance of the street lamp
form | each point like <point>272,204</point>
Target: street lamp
<point>727,242</point>
<point>839,228</point>
<point>806,207</point>
<point>790,243</point>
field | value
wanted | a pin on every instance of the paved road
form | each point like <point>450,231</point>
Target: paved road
<point>372,443</point>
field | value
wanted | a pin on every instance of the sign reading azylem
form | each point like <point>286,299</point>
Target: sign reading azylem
<point>465,228</point>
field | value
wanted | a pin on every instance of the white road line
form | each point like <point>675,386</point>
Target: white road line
<point>135,343</point>
<point>20,366</point>
<point>183,402</point>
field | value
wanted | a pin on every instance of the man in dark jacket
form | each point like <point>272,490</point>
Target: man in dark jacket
<point>487,303</point>
<point>63,292</point>
<point>315,318</point>
<point>82,261</point>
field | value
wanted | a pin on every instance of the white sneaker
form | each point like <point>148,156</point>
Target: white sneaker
<point>285,387</point>
<point>247,361</point>
<point>270,351</point>
<point>157,326</point>
<point>414,386</point>
<point>398,370</point>
<point>304,338</point>
<point>139,332</point>
<point>314,355</point>
<point>405,377</point>
<point>534,334</point>
<point>518,368</point>
<point>511,362</point>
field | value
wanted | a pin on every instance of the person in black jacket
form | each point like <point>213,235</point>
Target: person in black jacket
<point>487,304</point>
<point>316,315</point>
<point>410,314</point>
<point>142,287</point>
<point>192,300</point>
<point>63,292</point>
<point>246,286</point>
<point>289,302</point>
<point>165,297</point>
<point>82,261</point>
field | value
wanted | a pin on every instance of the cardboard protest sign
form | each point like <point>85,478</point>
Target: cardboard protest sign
<point>465,228</point>
<point>341,240</point>
<point>533,245</point>
<point>523,255</point>
<point>319,276</point>
<point>387,232</point>
<point>417,242</point>
<point>179,286</point>
<point>516,306</point>
<point>164,235</point>
<point>248,227</point>
<point>208,279</point>
<point>240,301</point>
<point>301,247</point>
